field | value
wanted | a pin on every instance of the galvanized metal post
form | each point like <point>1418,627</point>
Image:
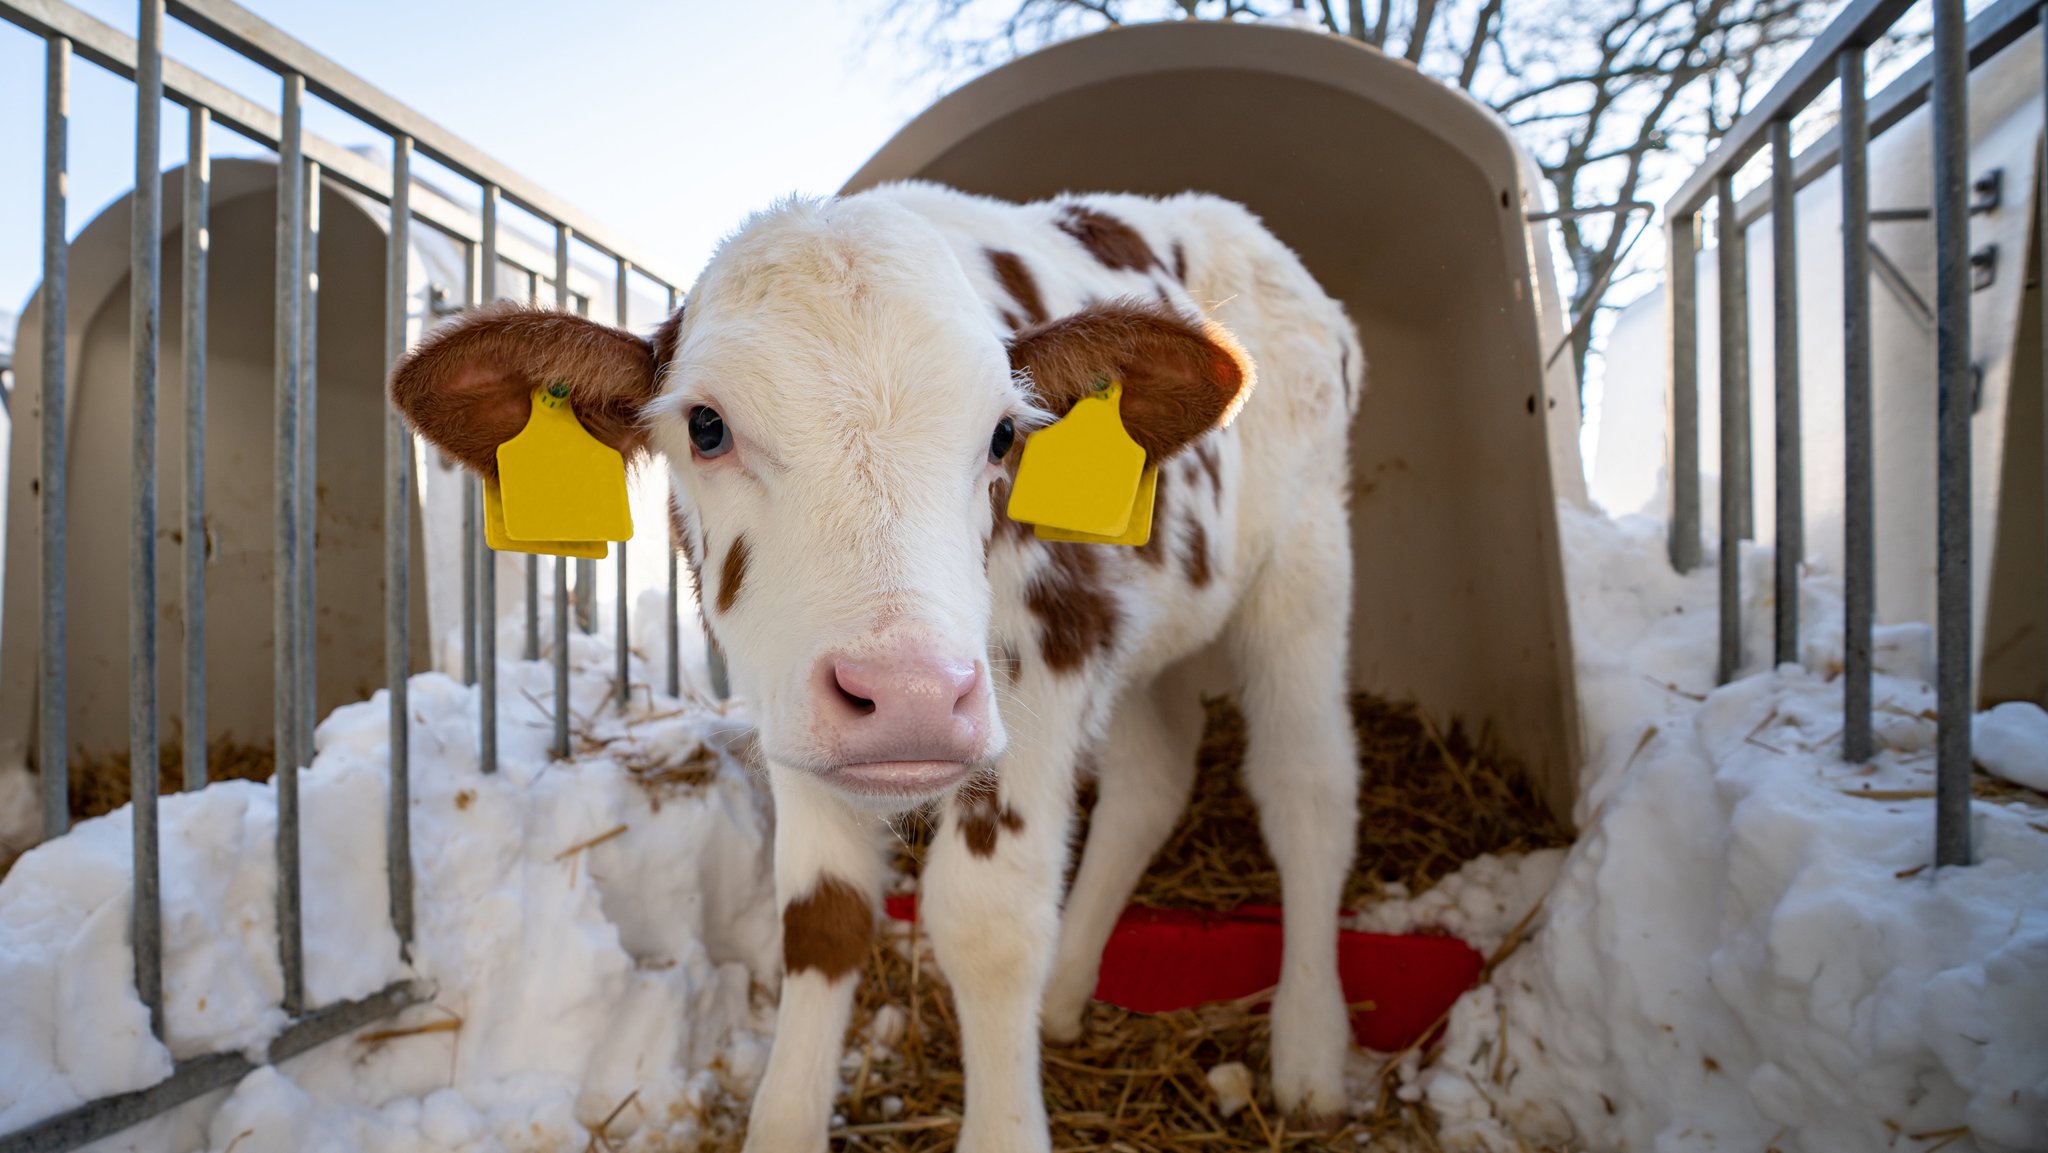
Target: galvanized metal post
<point>53,744</point>
<point>675,600</point>
<point>473,555</point>
<point>285,572</point>
<point>198,184</point>
<point>561,563</point>
<point>1859,535</point>
<point>144,312</point>
<point>622,618</point>
<point>1682,315</point>
<point>532,562</point>
<point>532,650</point>
<point>1789,487</point>
<point>1954,375</point>
<point>309,470</point>
<point>398,501</point>
<point>487,570</point>
<point>1734,422</point>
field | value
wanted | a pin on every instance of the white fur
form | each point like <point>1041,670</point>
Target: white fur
<point>856,348</point>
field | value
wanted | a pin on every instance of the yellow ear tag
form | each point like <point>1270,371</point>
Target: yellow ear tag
<point>494,533</point>
<point>558,486</point>
<point>1137,535</point>
<point>1082,474</point>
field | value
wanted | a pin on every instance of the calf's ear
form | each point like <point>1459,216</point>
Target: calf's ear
<point>1181,377</point>
<point>466,387</point>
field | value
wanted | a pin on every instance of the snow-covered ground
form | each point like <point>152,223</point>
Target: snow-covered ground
<point>1746,950</point>
<point>1742,952</point>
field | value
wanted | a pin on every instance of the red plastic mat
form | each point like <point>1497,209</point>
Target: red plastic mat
<point>1159,960</point>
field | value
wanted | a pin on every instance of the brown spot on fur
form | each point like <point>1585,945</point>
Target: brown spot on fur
<point>1212,463</point>
<point>467,387</point>
<point>1181,378</point>
<point>1006,661</point>
<point>1010,321</point>
<point>983,816</point>
<point>1153,551</point>
<point>827,930</point>
<point>1109,240</point>
<point>679,530</point>
<point>1180,263</point>
<point>664,340</point>
<point>1077,618</point>
<point>1197,558</point>
<point>999,508</point>
<point>1018,282</point>
<point>733,574</point>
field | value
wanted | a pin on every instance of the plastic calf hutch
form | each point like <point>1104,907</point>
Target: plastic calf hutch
<point>1408,201</point>
<point>239,474</point>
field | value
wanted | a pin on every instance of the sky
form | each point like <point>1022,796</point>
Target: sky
<point>665,122</point>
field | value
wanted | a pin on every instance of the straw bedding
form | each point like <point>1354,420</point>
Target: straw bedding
<point>1139,1082</point>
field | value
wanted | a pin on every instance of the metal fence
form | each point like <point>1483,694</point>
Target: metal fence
<point>1838,56</point>
<point>305,161</point>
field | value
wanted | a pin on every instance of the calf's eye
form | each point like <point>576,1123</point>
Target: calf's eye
<point>708,434</point>
<point>999,444</point>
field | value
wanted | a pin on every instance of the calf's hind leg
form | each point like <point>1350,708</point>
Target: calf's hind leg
<point>1144,774</point>
<point>1290,640</point>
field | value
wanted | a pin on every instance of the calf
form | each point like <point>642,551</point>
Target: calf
<point>842,404</point>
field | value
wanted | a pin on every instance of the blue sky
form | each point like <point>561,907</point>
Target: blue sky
<point>667,122</point>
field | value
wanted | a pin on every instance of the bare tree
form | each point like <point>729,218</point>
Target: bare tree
<point>1610,96</point>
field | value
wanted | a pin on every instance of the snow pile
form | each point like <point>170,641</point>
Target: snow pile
<point>1746,949</point>
<point>2011,740</point>
<point>588,930</point>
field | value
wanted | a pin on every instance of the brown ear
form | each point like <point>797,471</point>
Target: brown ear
<point>466,387</point>
<point>1180,377</point>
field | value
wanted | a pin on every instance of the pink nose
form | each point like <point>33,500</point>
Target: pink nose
<point>907,705</point>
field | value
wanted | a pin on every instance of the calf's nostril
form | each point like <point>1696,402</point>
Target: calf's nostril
<point>859,704</point>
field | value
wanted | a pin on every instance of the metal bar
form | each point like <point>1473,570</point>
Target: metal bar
<point>473,554</point>
<point>145,303</point>
<point>114,50</point>
<point>675,600</point>
<point>1734,426</point>
<point>487,571</point>
<point>1895,278</point>
<point>309,468</point>
<point>561,653</point>
<point>195,1076</point>
<point>1788,487</point>
<point>2041,199</point>
<point>532,561</point>
<point>285,570</point>
<point>1859,549</point>
<point>53,745</point>
<point>239,29</point>
<point>1991,32</point>
<point>398,504</point>
<point>586,595</point>
<point>1862,22</point>
<point>622,617</point>
<point>1953,374</point>
<point>198,183</point>
<point>1682,314</point>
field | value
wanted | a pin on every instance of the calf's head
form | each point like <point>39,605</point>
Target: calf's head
<point>840,413</point>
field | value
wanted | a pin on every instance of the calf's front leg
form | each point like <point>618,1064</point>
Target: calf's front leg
<point>828,873</point>
<point>990,900</point>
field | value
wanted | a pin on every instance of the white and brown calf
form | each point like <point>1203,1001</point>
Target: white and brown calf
<point>841,405</point>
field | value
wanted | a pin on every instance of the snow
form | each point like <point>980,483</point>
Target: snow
<point>1745,949</point>
<point>563,978</point>
<point>1740,951</point>
<point>2011,740</point>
